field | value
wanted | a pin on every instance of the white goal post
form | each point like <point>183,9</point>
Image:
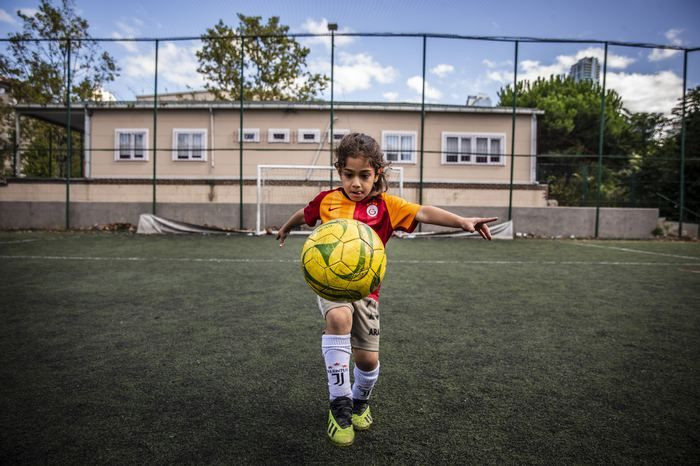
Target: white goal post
<point>279,186</point>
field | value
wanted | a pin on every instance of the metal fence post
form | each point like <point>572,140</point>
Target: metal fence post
<point>681,207</point>
<point>331,138</point>
<point>422,133</point>
<point>16,161</point>
<point>69,159</point>
<point>155,127</point>
<point>601,139</point>
<point>240,137</point>
<point>512,135</point>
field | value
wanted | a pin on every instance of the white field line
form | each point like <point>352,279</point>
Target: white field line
<point>292,261</point>
<point>19,241</point>
<point>639,251</point>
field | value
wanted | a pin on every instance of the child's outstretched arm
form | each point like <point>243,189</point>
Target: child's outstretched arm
<point>438,216</point>
<point>295,220</point>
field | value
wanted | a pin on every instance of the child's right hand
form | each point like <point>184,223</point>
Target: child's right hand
<point>281,236</point>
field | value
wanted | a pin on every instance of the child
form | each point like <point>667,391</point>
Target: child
<point>353,328</point>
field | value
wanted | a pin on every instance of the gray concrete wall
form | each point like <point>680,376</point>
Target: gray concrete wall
<point>541,221</point>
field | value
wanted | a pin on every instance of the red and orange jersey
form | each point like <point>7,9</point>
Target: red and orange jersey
<point>384,213</point>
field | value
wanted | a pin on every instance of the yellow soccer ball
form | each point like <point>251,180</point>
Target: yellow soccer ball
<point>343,260</point>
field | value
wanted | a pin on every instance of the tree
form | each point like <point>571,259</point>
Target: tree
<point>275,64</point>
<point>39,68</point>
<point>658,171</point>
<point>569,131</point>
<point>37,72</point>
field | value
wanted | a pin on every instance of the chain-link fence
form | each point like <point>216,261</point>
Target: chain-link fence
<point>587,149</point>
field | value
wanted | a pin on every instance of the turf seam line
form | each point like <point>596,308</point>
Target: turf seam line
<point>617,248</point>
<point>292,261</point>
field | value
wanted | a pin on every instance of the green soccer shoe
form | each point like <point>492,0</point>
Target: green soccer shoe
<point>361,416</point>
<point>340,418</point>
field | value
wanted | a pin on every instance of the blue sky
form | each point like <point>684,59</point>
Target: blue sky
<point>389,69</point>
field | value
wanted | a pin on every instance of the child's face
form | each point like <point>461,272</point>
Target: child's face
<point>358,177</point>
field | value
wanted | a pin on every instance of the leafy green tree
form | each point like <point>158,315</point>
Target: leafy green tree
<point>569,132</point>
<point>36,71</point>
<point>275,64</point>
<point>658,171</point>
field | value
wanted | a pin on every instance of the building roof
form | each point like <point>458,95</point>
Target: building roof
<point>250,105</point>
<point>57,113</point>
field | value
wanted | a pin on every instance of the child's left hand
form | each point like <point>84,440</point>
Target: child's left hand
<point>478,224</point>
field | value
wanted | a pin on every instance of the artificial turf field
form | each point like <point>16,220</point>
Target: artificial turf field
<point>119,348</point>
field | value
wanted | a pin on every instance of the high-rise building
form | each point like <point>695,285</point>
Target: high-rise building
<point>586,69</point>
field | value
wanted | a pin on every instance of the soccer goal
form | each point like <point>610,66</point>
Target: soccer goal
<point>281,188</point>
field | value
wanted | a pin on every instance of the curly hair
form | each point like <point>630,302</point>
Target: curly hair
<point>362,145</point>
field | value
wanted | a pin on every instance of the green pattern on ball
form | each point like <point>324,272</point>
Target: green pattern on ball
<point>344,274</point>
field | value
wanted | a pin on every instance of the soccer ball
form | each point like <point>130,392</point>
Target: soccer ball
<point>343,260</point>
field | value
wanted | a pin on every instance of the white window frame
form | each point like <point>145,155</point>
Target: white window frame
<point>254,131</point>
<point>272,131</point>
<point>387,133</point>
<point>202,131</point>
<point>117,149</point>
<point>303,131</point>
<point>472,149</point>
<point>337,132</point>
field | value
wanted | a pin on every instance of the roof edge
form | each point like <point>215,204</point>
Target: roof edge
<point>275,105</point>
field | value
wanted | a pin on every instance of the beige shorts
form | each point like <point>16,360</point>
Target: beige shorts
<point>365,321</point>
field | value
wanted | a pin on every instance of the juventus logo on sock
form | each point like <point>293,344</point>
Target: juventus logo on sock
<point>339,379</point>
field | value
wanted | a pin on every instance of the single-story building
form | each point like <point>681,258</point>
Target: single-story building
<point>206,176</point>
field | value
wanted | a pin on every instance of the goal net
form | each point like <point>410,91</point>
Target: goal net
<point>281,189</point>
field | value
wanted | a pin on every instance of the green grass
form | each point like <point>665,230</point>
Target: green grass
<point>178,350</point>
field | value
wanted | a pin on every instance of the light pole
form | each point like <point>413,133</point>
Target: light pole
<point>332,27</point>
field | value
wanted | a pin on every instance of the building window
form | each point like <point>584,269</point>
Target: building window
<point>249,135</point>
<point>190,144</point>
<point>278,135</point>
<point>338,134</point>
<point>399,146</point>
<point>309,136</point>
<point>130,144</point>
<point>474,149</point>
<point>457,149</point>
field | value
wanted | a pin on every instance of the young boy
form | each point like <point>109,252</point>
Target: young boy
<point>353,328</point>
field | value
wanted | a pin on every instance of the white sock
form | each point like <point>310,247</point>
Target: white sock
<point>336,352</point>
<point>364,383</point>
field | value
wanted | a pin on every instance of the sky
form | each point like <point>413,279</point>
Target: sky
<point>390,69</point>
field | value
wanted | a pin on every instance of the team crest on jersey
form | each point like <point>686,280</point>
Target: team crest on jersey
<point>372,210</point>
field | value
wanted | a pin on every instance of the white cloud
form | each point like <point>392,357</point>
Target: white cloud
<point>128,29</point>
<point>614,61</point>
<point>355,72</point>
<point>492,64</point>
<point>502,77</point>
<point>416,84</point>
<point>128,45</point>
<point>177,66</point>
<point>321,27</point>
<point>5,17</point>
<point>647,92</point>
<point>442,70</point>
<point>662,54</point>
<point>640,92</point>
<point>104,95</point>
<point>391,96</point>
<point>532,69</point>
<point>31,12</point>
